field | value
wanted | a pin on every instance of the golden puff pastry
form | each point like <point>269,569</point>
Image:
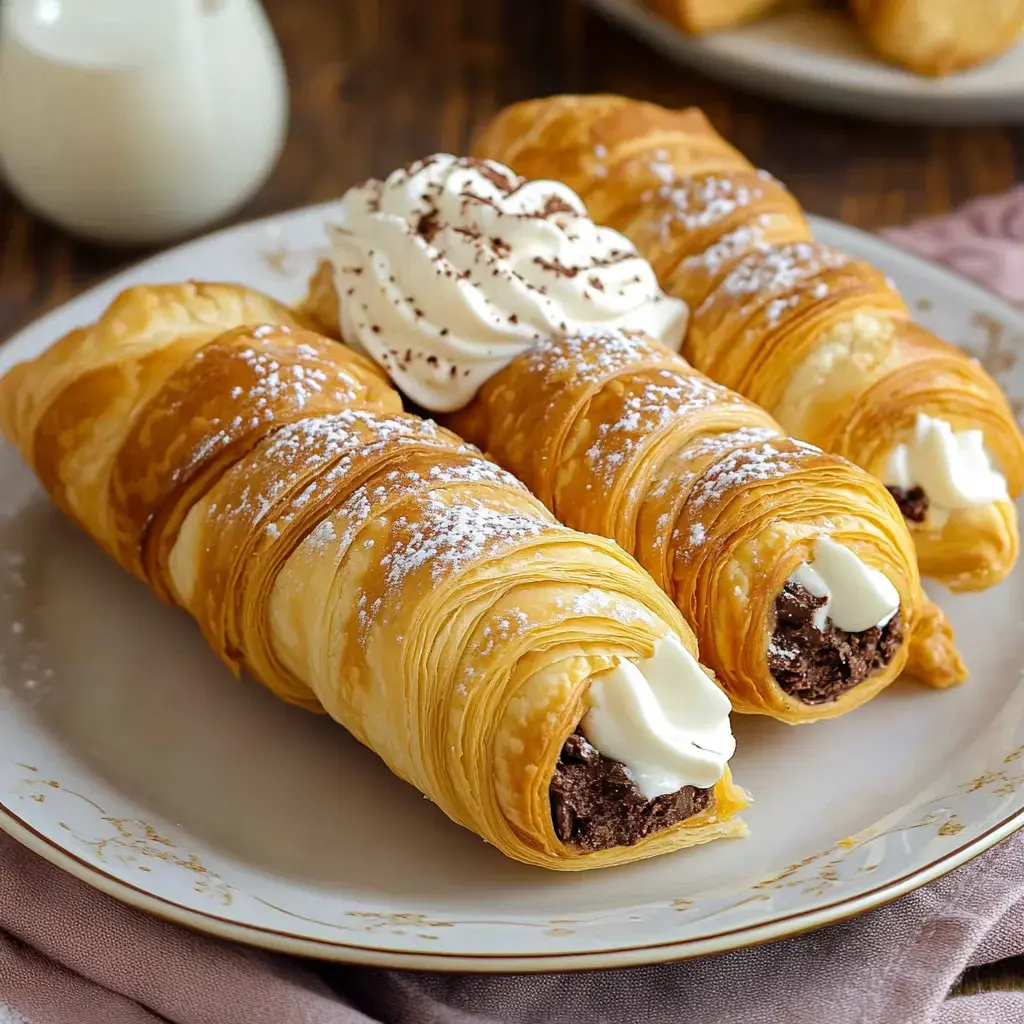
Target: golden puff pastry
<point>621,437</point>
<point>937,37</point>
<point>823,341</point>
<point>363,562</point>
<point>699,16</point>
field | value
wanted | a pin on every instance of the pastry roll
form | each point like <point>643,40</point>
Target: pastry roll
<point>793,567</point>
<point>699,16</point>
<point>936,37</point>
<point>530,680</point>
<point>824,342</point>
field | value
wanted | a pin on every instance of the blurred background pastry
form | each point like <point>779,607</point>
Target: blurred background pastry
<point>939,37</point>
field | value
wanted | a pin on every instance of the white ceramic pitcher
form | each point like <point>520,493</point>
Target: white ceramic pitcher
<point>137,121</point>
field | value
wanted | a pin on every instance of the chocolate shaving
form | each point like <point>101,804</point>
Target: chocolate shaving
<point>428,225</point>
<point>412,169</point>
<point>556,204</point>
<point>614,257</point>
<point>556,266</point>
<point>492,174</point>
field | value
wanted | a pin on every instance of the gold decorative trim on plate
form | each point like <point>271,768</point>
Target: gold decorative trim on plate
<point>132,760</point>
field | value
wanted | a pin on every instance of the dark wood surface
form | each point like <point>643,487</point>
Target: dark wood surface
<point>376,83</point>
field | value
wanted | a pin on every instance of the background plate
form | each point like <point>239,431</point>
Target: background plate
<point>818,59</point>
<point>130,757</point>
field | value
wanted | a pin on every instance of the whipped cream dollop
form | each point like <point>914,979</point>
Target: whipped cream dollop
<point>857,597</point>
<point>452,267</point>
<point>664,719</point>
<point>952,467</point>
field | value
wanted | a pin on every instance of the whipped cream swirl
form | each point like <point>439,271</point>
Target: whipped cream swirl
<point>452,267</point>
<point>953,468</point>
<point>664,719</point>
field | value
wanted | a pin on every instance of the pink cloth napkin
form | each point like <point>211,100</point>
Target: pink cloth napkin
<point>984,240</point>
<point>70,955</point>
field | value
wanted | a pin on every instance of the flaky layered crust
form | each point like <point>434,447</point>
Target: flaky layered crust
<point>619,436</point>
<point>354,559</point>
<point>823,341</point>
<point>936,37</point>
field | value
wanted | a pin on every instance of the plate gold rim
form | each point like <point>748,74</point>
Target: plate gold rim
<point>274,940</point>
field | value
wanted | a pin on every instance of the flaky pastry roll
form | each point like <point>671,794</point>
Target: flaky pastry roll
<point>700,16</point>
<point>823,341</point>
<point>530,680</point>
<point>794,567</point>
<point>937,37</point>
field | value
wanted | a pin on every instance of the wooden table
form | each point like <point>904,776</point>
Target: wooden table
<point>376,83</point>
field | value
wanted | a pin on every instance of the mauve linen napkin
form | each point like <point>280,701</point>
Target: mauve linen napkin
<point>70,955</point>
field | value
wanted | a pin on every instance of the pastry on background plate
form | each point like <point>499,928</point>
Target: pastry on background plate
<point>930,37</point>
<point>699,16</point>
<point>499,302</point>
<point>937,37</point>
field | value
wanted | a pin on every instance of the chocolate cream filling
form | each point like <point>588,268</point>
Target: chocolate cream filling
<point>596,805</point>
<point>913,503</point>
<point>818,665</point>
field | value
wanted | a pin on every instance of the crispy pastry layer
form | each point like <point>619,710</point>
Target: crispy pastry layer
<point>355,559</point>
<point>823,341</point>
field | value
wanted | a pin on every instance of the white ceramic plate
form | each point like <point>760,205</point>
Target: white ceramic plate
<point>818,59</point>
<point>130,757</point>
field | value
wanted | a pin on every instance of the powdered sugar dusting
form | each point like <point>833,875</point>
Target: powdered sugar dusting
<point>276,388</point>
<point>307,447</point>
<point>505,628</point>
<point>656,408</point>
<point>24,653</point>
<point>294,385</point>
<point>780,649</point>
<point>743,468</point>
<point>776,270</point>
<point>729,247</point>
<point>600,604</point>
<point>698,202</point>
<point>590,357</point>
<point>450,536</point>
<point>718,445</point>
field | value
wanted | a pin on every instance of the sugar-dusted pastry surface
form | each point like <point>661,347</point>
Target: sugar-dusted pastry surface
<point>620,437</point>
<point>823,341</point>
<point>353,558</point>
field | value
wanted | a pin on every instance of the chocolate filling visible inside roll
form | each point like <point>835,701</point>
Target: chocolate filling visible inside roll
<point>596,805</point>
<point>817,665</point>
<point>913,503</point>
